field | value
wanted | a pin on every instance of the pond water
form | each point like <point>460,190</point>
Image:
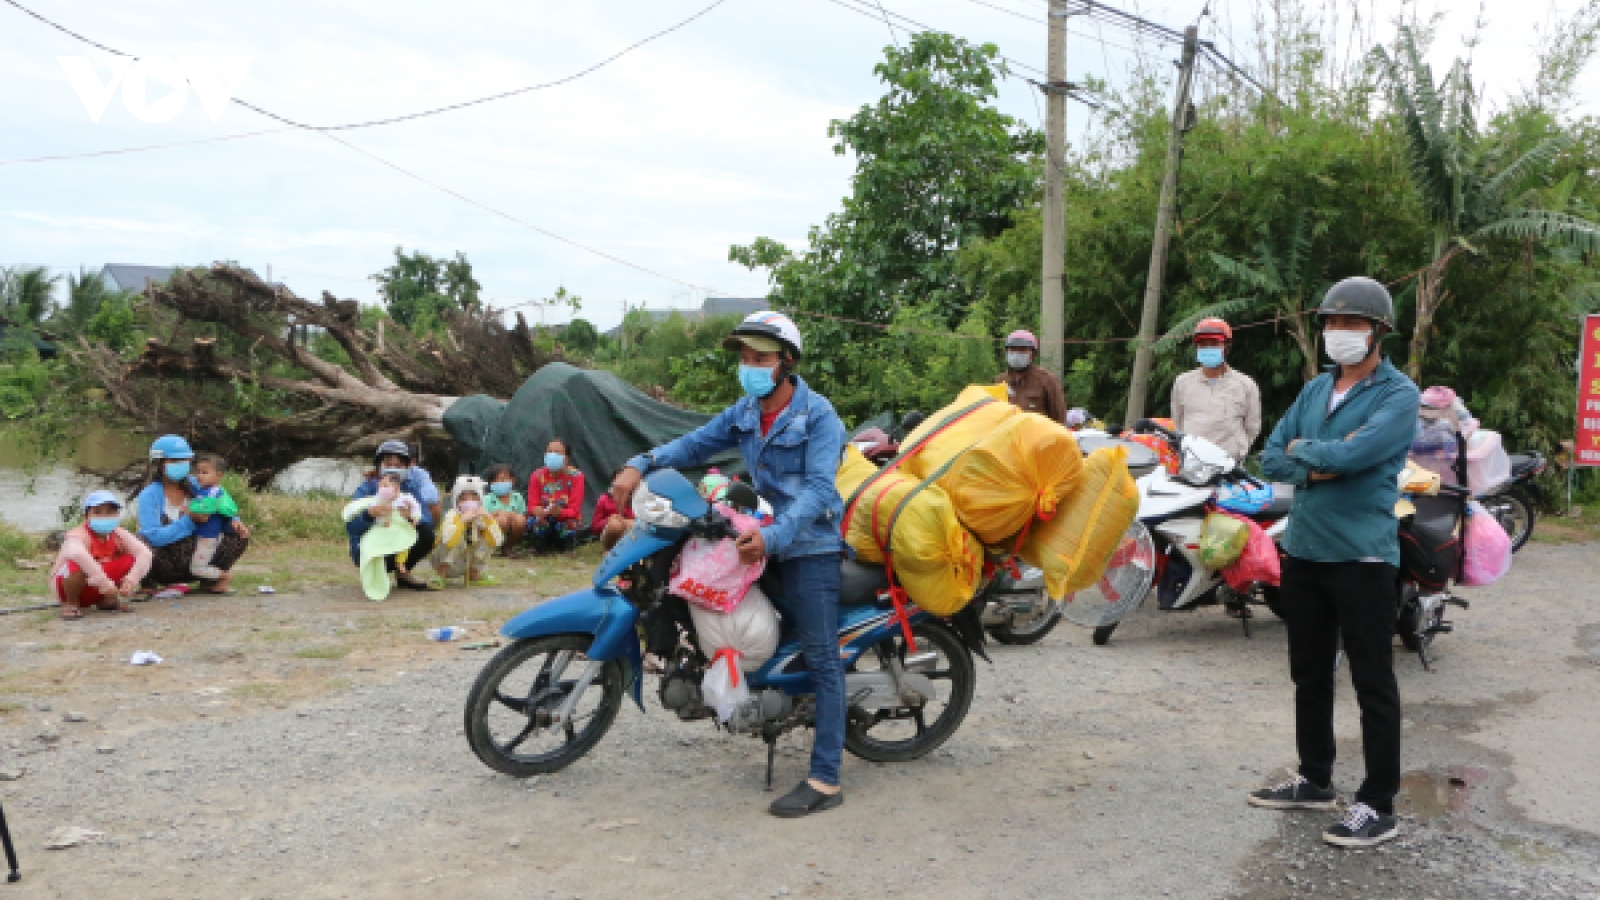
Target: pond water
<point>36,496</point>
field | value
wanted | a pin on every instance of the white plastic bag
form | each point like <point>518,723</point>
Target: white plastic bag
<point>724,687</point>
<point>751,630</point>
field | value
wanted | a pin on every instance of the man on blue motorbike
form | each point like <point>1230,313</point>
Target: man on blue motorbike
<point>792,441</point>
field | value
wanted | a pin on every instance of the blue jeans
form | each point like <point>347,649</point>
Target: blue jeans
<point>811,600</point>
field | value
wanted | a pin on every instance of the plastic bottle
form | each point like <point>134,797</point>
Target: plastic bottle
<point>445,633</point>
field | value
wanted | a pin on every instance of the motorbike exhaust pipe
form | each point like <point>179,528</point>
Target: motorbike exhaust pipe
<point>921,662</point>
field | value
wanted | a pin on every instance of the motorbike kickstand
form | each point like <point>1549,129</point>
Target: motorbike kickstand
<point>770,735</point>
<point>1422,654</point>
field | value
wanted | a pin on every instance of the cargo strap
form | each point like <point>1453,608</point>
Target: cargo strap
<point>732,656</point>
<point>897,594</point>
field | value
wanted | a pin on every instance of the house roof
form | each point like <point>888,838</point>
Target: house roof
<point>732,306</point>
<point>126,277</point>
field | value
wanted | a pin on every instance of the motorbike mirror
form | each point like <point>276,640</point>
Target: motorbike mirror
<point>911,420</point>
<point>1207,453</point>
<point>742,497</point>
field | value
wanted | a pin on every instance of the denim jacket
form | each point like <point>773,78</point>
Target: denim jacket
<point>793,467</point>
<point>1364,442</point>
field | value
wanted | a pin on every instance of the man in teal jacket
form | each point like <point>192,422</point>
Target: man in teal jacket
<point>1342,445</point>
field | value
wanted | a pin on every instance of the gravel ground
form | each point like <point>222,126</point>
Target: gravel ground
<point>1081,771</point>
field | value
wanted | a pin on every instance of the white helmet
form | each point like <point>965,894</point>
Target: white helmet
<point>766,332</point>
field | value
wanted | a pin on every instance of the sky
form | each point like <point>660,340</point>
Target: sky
<point>706,137</point>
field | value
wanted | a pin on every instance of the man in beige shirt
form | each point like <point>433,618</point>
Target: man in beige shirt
<point>1216,401</point>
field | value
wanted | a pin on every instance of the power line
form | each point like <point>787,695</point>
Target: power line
<point>409,116</point>
<point>146,148</point>
<point>327,133</point>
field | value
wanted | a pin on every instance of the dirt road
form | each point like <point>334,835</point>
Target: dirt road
<point>1082,771</point>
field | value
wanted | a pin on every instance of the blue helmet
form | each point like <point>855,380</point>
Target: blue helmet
<point>171,446</point>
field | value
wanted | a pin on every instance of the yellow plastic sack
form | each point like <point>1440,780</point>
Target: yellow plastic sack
<point>936,560</point>
<point>1025,468</point>
<point>959,436</point>
<point>1074,547</point>
<point>1222,540</point>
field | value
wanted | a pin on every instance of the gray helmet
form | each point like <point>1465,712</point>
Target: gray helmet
<point>391,448</point>
<point>1359,296</point>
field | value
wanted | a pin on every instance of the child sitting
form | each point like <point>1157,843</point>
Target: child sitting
<point>392,533</point>
<point>469,536</point>
<point>100,562</point>
<point>555,499</point>
<point>609,523</point>
<point>212,501</point>
<point>503,504</point>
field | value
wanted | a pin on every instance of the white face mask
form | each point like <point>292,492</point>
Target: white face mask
<point>1018,359</point>
<point>1347,347</point>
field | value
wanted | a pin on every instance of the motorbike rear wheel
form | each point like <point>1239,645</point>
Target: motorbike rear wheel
<point>905,733</point>
<point>514,700</point>
<point>1516,513</point>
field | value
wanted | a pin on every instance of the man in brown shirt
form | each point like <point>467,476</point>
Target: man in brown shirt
<point>1031,388</point>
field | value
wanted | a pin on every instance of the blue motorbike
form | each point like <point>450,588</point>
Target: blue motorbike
<point>548,697</point>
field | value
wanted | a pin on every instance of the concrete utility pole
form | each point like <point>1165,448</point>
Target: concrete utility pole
<point>1140,387</point>
<point>1051,313</point>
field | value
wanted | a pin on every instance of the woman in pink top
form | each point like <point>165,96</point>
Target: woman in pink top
<point>100,563</point>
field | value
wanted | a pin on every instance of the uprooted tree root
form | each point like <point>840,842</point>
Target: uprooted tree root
<point>235,375</point>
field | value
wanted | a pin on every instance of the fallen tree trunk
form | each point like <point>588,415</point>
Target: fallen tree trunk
<point>236,374</point>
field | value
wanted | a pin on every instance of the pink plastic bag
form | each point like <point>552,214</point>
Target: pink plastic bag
<point>1258,563</point>
<point>1487,548</point>
<point>710,575</point>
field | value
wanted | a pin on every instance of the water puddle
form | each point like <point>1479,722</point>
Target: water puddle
<point>1440,798</point>
<point>37,495</point>
<point>1530,851</point>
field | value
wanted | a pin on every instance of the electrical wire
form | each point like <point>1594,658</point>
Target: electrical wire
<point>349,126</point>
<point>328,133</point>
<point>146,148</point>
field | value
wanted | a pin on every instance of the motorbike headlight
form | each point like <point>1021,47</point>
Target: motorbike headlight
<point>653,510</point>
<point>1198,473</point>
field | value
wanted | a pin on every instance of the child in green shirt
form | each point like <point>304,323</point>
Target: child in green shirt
<point>508,508</point>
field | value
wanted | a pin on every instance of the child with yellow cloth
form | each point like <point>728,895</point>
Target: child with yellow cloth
<point>469,536</point>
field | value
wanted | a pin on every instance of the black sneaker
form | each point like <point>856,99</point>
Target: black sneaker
<point>1295,793</point>
<point>1363,826</point>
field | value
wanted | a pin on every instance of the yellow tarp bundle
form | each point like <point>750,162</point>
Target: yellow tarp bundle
<point>1025,468</point>
<point>1075,545</point>
<point>935,559</point>
<point>951,441</point>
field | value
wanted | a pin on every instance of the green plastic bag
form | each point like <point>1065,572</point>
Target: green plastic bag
<point>1222,540</point>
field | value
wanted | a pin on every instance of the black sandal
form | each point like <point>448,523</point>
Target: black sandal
<point>803,801</point>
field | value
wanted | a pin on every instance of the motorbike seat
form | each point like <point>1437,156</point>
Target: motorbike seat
<point>1521,463</point>
<point>1282,502</point>
<point>859,583</point>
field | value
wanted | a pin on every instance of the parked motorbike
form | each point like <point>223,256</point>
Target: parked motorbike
<point>1161,550</point>
<point>550,696</point>
<point>1016,610</point>
<point>1515,504</point>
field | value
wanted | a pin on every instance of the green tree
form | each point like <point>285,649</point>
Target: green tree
<point>580,335</point>
<point>86,293</point>
<point>936,168</point>
<point>112,323</point>
<point>28,294</point>
<point>1474,190</point>
<point>419,289</point>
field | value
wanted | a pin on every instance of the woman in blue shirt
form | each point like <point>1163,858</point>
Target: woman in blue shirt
<point>792,441</point>
<point>168,525</point>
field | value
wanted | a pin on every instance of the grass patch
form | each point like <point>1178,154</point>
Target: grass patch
<point>1582,525</point>
<point>331,651</point>
<point>7,707</point>
<point>279,518</point>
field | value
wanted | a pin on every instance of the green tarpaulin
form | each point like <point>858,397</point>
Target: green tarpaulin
<point>602,418</point>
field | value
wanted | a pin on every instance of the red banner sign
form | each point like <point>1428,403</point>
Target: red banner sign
<point>1588,445</point>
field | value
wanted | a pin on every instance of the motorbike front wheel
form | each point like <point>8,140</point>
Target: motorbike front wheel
<point>513,714</point>
<point>1021,630</point>
<point>911,732</point>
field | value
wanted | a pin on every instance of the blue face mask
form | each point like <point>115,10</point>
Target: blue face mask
<point>1210,357</point>
<point>756,381</point>
<point>177,471</point>
<point>553,461</point>
<point>103,526</point>
<point>500,488</point>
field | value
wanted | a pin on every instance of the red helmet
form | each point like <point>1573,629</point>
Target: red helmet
<point>1022,339</point>
<point>1212,328</point>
